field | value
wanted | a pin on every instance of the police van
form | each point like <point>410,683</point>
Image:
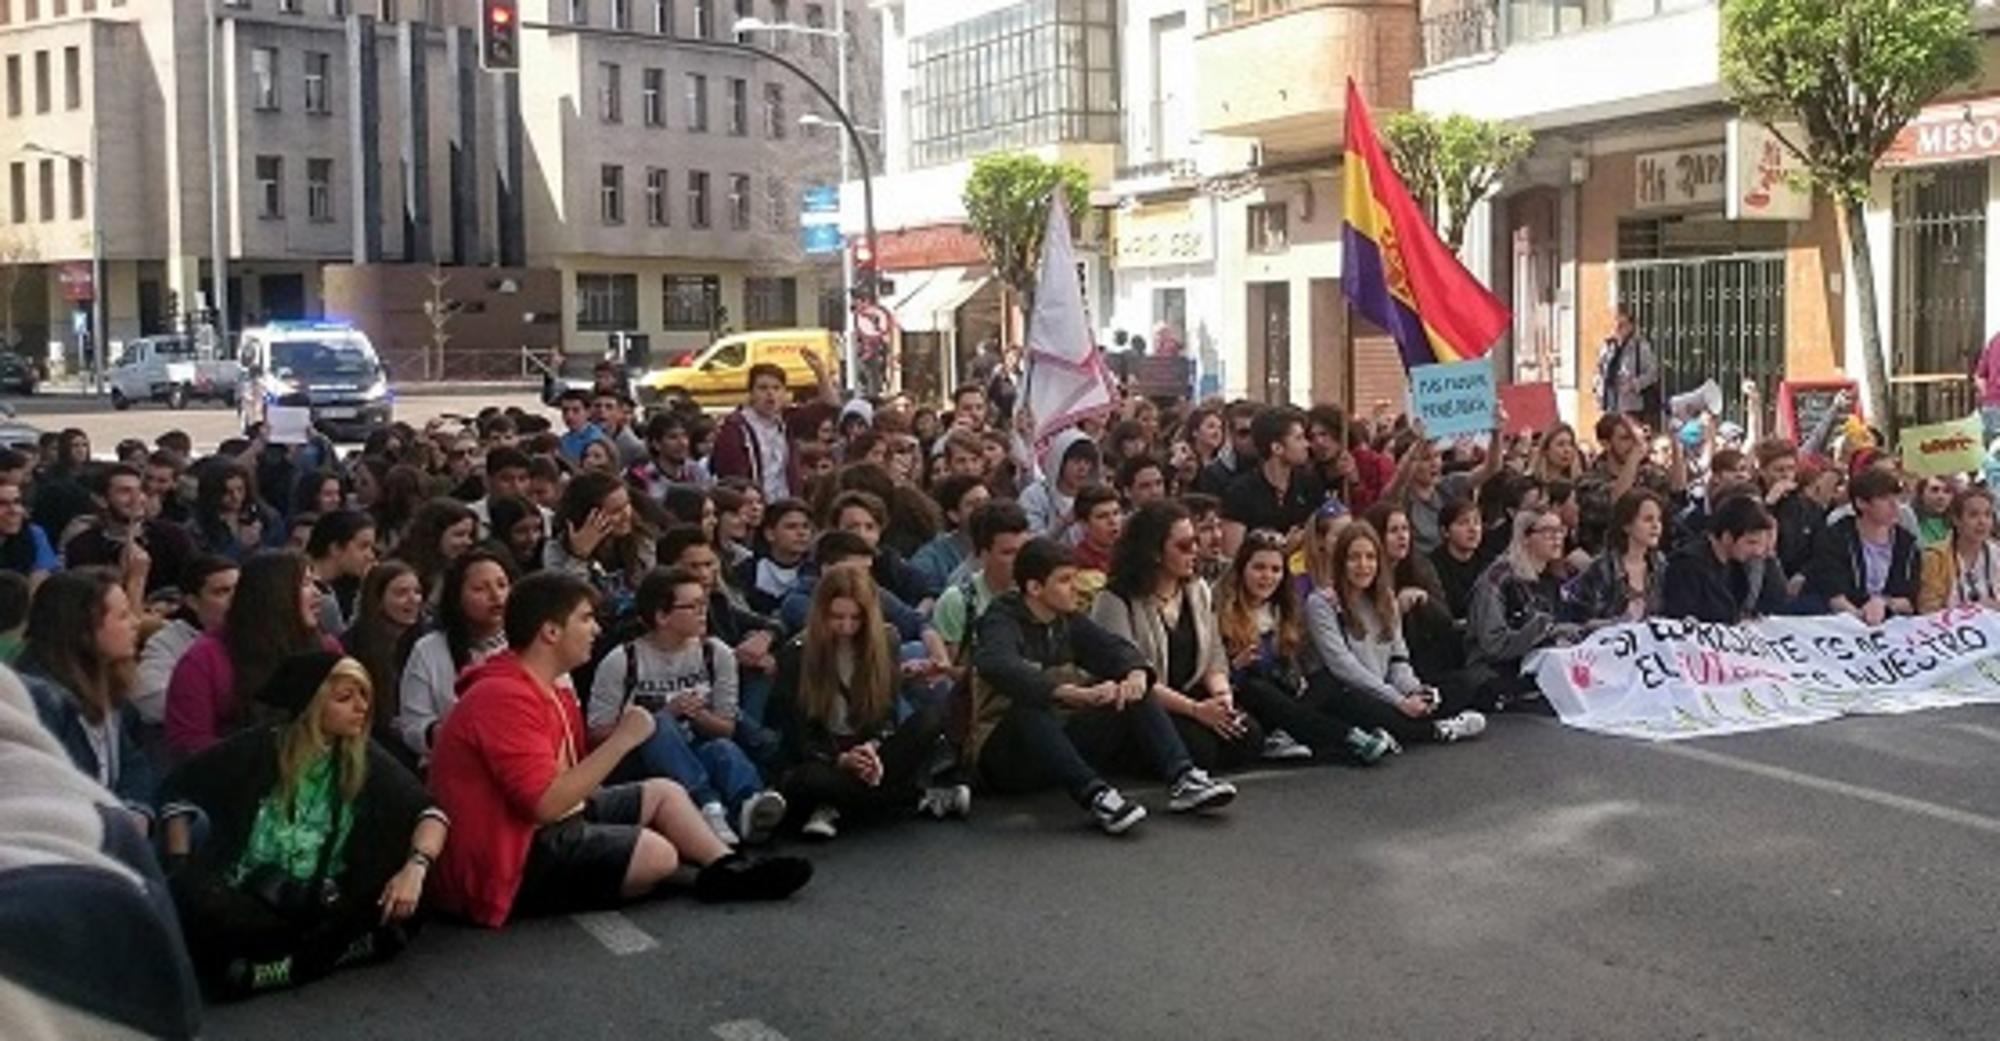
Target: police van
<point>330,367</point>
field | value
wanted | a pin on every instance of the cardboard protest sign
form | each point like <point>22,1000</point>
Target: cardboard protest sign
<point>1945,449</point>
<point>1454,399</point>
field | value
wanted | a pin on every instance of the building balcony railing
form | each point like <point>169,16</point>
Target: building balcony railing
<point>1173,171</point>
<point>1466,30</point>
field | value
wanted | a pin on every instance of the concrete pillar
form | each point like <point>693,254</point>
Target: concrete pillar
<point>461,58</point>
<point>413,67</point>
<point>510,177</point>
<point>365,108</point>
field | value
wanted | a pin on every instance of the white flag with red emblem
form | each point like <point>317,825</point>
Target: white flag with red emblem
<point>1067,380</point>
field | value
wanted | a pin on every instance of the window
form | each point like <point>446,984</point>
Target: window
<point>270,187</point>
<point>46,173</point>
<point>611,194</point>
<point>777,208</point>
<point>663,17</point>
<point>76,190</point>
<point>739,202</point>
<point>610,100</point>
<point>690,301</point>
<point>607,303</point>
<point>72,79</point>
<point>657,205</point>
<point>739,107</point>
<point>291,7</point>
<point>621,14</point>
<point>697,199</point>
<point>13,84</point>
<point>1021,76</point>
<point>744,9</point>
<point>17,190</point>
<point>319,65</point>
<point>770,303</point>
<point>264,78</point>
<point>697,103</point>
<point>1267,227</point>
<point>41,81</point>
<point>704,20</point>
<point>815,19</point>
<point>781,14</point>
<point>774,111</point>
<point>319,190</point>
<point>652,102</point>
<point>579,12</point>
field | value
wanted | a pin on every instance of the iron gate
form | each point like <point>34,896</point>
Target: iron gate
<point>1719,318</point>
<point>1940,291</point>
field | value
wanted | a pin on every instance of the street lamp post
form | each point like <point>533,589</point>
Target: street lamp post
<point>848,143</point>
<point>99,342</point>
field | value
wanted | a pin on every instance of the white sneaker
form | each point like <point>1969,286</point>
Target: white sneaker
<point>821,824</point>
<point>1463,727</point>
<point>1280,746</point>
<point>1195,790</point>
<point>953,800</point>
<point>718,822</point>
<point>759,816</point>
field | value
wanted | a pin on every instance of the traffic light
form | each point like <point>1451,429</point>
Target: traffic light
<point>500,35</point>
<point>866,277</point>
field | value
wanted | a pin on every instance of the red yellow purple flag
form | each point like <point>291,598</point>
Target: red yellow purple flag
<point>1397,271</point>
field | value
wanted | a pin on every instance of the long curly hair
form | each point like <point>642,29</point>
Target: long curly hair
<point>1140,553</point>
<point>1236,611</point>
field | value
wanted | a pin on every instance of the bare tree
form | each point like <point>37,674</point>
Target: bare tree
<point>440,309</point>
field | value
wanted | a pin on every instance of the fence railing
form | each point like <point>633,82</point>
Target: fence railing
<point>1464,29</point>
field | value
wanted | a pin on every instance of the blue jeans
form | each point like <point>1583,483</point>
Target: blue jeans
<point>712,769</point>
<point>762,743</point>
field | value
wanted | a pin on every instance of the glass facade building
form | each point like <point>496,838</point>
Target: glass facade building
<point>1037,73</point>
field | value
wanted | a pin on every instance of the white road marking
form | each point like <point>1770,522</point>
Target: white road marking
<point>616,932</point>
<point>745,1030</point>
<point>1935,811</point>
<point>1976,730</point>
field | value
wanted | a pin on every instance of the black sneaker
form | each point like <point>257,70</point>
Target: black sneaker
<point>737,878</point>
<point>1115,813</point>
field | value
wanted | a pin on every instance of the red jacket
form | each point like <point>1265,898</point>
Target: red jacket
<point>734,453</point>
<point>496,754</point>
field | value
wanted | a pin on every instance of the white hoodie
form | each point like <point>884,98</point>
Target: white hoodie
<point>1050,511</point>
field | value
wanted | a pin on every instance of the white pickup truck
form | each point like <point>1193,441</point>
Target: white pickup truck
<point>170,369</point>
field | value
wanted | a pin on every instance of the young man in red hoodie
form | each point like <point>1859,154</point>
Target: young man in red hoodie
<point>533,829</point>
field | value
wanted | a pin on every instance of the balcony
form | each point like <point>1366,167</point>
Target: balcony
<point>1276,70</point>
<point>1456,31</point>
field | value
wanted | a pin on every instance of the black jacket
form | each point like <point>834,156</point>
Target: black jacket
<point>1015,654</point>
<point>1837,568</point>
<point>1800,520</point>
<point>1700,586</point>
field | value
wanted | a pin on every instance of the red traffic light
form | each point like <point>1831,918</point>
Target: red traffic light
<point>501,15</point>
<point>499,50</point>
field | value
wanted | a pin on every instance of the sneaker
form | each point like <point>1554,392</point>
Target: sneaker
<point>759,817</point>
<point>1195,790</point>
<point>244,976</point>
<point>821,824</point>
<point>1395,746</point>
<point>1463,727</point>
<point>952,800</point>
<point>1369,746</point>
<point>738,878</point>
<point>718,822</point>
<point>1115,813</point>
<point>1280,746</point>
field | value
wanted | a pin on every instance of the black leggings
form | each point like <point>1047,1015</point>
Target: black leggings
<point>1310,718</point>
<point>1212,751</point>
<point>1370,711</point>
<point>224,926</point>
<point>908,755</point>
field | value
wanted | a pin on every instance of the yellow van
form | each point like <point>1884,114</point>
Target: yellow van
<point>718,377</point>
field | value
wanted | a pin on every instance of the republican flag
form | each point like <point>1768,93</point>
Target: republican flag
<point>1067,380</point>
<point>1397,271</point>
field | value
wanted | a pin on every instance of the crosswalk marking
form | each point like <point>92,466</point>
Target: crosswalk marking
<point>616,932</point>
<point>746,1030</point>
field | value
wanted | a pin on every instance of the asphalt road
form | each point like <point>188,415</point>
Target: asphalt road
<point>1826,882</point>
<point>209,424</point>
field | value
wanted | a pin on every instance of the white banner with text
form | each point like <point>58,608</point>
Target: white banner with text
<point>1664,680</point>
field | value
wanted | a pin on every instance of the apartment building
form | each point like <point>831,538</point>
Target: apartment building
<point>1645,189</point>
<point>966,78</point>
<point>665,178</point>
<point>361,148</point>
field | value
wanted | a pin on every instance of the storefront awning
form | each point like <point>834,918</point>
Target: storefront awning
<point>933,298</point>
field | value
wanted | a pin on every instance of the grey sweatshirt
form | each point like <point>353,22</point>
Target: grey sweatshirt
<point>1372,665</point>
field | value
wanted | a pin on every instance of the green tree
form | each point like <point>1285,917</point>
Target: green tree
<point>1451,163</point>
<point>1007,205</point>
<point>1851,73</point>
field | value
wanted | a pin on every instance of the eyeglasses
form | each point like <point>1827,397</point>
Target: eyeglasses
<point>1264,538</point>
<point>1548,529</point>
